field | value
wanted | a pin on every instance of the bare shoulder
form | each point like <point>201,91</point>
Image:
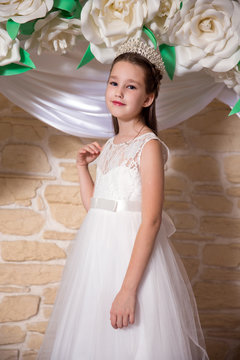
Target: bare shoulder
<point>152,150</point>
<point>152,178</point>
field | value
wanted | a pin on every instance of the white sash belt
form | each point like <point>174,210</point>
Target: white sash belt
<point>115,205</point>
<point>127,205</point>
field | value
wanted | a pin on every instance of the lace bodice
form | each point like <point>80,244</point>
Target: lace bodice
<point>118,165</point>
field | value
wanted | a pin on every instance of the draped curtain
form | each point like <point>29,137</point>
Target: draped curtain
<point>73,100</point>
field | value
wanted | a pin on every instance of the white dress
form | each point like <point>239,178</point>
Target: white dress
<point>166,323</point>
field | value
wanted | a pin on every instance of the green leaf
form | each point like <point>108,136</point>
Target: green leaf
<point>77,11</point>
<point>168,54</point>
<point>151,35</point>
<point>67,5</point>
<point>28,27</point>
<point>66,15</point>
<point>12,28</point>
<point>181,4</point>
<point>87,57</point>
<point>15,69</point>
<point>69,9</point>
<point>25,59</point>
<point>235,109</point>
<point>238,66</point>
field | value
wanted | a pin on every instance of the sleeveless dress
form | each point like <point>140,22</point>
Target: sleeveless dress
<point>166,323</point>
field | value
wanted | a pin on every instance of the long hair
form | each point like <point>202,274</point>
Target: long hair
<point>152,83</point>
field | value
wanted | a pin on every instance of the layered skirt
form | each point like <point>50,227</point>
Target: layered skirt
<point>166,323</point>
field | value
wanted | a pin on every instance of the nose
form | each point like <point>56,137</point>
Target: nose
<point>119,92</point>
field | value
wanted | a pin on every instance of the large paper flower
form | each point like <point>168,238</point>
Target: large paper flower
<point>167,10</point>
<point>9,49</point>
<point>207,33</point>
<point>231,78</point>
<point>108,23</point>
<point>22,11</point>
<point>54,34</point>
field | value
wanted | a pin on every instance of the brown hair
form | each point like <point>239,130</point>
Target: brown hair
<point>152,82</point>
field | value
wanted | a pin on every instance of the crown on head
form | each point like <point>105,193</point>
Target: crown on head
<point>142,48</point>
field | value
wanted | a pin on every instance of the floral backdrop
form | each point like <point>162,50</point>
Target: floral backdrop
<point>192,35</point>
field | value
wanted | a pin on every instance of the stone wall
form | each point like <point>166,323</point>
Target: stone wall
<point>41,209</point>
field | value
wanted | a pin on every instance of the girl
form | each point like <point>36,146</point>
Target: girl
<point>124,293</point>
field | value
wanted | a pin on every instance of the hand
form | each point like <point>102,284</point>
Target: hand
<point>88,153</point>
<point>123,309</point>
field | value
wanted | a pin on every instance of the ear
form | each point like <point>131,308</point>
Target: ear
<point>149,100</point>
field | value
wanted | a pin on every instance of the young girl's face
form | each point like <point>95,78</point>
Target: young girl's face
<point>126,91</point>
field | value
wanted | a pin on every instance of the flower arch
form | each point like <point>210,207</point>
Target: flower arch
<point>193,36</point>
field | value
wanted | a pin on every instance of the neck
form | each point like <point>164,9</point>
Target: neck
<point>128,128</point>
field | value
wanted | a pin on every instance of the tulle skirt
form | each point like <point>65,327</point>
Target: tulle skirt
<point>166,323</point>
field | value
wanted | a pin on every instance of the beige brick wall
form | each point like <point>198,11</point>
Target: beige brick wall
<point>41,209</point>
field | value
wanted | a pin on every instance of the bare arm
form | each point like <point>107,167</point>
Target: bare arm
<point>152,176</point>
<point>86,185</point>
<point>86,155</point>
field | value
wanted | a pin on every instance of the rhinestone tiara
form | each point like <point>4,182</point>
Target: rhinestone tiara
<point>142,48</point>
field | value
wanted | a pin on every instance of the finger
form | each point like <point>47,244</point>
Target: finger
<point>82,151</point>
<point>125,320</point>
<point>113,319</point>
<point>89,149</point>
<point>131,318</point>
<point>119,321</point>
<point>96,148</point>
<point>97,145</point>
<point>93,146</point>
<point>93,149</point>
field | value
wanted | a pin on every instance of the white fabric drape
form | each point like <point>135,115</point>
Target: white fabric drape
<point>73,100</point>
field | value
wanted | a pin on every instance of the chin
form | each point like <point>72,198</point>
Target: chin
<point>116,112</point>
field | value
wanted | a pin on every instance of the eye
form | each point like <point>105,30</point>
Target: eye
<point>113,83</point>
<point>131,87</point>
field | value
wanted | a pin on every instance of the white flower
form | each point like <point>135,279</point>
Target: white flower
<point>207,35</point>
<point>108,23</point>
<point>160,22</point>
<point>54,34</point>
<point>22,11</point>
<point>231,78</point>
<point>9,49</point>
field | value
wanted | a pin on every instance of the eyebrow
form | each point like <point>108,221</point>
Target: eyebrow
<point>128,80</point>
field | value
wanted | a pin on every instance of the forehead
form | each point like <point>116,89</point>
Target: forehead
<point>126,70</point>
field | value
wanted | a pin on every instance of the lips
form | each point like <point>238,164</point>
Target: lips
<point>118,103</point>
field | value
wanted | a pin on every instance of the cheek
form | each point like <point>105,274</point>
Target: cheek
<point>108,97</point>
<point>108,92</point>
<point>138,101</point>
